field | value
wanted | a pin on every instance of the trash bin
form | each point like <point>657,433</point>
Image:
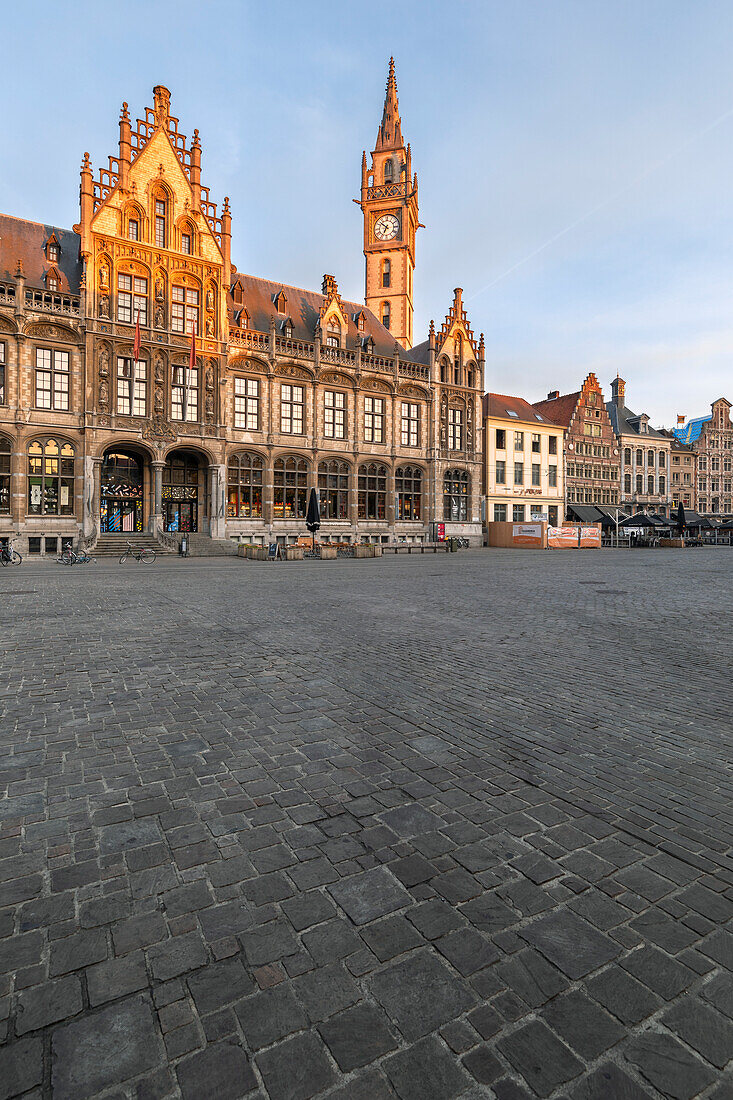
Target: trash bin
<point>183,548</point>
<point>453,545</point>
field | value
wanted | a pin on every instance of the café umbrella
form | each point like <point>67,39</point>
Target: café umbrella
<point>680,517</point>
<point>313,515</point>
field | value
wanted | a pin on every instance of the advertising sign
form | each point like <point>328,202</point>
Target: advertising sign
<point>527,534</point>
<point>590,537</point>
<point>440,532</point>
<point>562,538</point>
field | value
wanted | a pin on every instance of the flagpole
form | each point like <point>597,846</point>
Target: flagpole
<point>133,364</point>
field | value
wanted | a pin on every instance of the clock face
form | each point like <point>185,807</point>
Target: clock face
<point>386,227</point>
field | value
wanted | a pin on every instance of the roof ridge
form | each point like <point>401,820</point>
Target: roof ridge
<point>301,289</point>
<point>30,221</point>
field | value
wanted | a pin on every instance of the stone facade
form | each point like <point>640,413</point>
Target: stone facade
<point>644,454</point>
<point>523,462</point>
<point>711,440</point>
<point>287,388</point>
<point>591,450</point>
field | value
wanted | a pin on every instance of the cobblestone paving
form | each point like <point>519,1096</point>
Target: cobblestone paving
<point>433,827</point>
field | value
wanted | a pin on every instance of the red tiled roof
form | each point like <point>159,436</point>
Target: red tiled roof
<point>560,411</point>
<point>303,309</point>
<point>26,241</point>
<point>512,408</point>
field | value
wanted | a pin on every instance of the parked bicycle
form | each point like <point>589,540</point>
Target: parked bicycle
<point>69,556</point>
<point>9,555</point>
<point>144,555</point>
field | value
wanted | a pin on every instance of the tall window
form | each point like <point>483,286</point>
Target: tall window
<point>333,334</point>
<point>410,436</point>
<point>639,458</point>
<point>553,444</point>
<point>639,483</point>
<point>292,406</point>
<point>291,488</point>
<point>133,229</point>
<point>185,393</point>
<point>501,472</point>
<point>519,441</point>
<point>386,272</point>
<point>552,475</point>
<point>455,429</point>
<point>50,478</point>
<point>518,513</point>
<point>535,443</point>
<point>627,456</point>
<point>247,404</point>
<point>334,415</point>
<point>333,488</point>
<point>374,419</point>
<point>519,473</point>
<point>186,243</point>
<point>500,513</point>
<point>5,453</point>
<point>650,484</point>
<point>500,439</point>
<point>2,372</point>
<point>663,484</point>
<point>244,485</point>
<point>132,298</point>
<point>373,491</point>
<point>184,310</point>
<point>535,473</point>
<point>53,253</point>
<point>386,314</point>
<point>160,223</point>
<point>650,458</point>
<point>52,379</point>
<point>408,486</point>
<point>455,495</point>
<point>388,171</point>
<point>129,387</point>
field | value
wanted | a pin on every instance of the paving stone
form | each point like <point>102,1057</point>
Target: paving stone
<point>703,1029</point>
<point>489,913</point>
<point>116,978</point>
<point>420,993</point>
<point>410,820</point>
<point>467,950</point>
<point>327,990</point>
<point>434,918</point>
<point>719,991</point>
<point>176,956</point>
<point>532,978</point>
<point>331,941</point>
<point>665,1063</point>
<point>367,1085</point>
<point>76,952</point>
<point>21,1067</point>
<point>426,1071</point>
<point>585,1027</point>
<point>370,895</point>
<point>609,1081</point>
<point>540,1057</point>
<point>459,1036</point>
<point>667,977</point>
<point>106,1049</point>
<point>357,1036</point>
<point>297,1069</point>
<point>572,944</point>
<point>270,943</point>
<point>269,1016</point>
<point>622,995</point>
<point>219,984</point>
<point>719,947</point>
<point>47,1003</point>
<point>305,910</point>
<point>221,1070</point>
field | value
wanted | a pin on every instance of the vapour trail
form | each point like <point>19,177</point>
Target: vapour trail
<point>606,202</point>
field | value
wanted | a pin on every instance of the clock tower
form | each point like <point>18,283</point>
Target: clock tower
<point>389,204</point>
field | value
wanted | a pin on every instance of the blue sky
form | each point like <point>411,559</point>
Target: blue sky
<point>575,159</point>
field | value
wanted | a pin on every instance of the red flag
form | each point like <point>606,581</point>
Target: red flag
<point>136,345</point>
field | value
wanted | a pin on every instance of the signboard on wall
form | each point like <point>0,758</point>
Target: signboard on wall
<point>562,538</point>
<point>440,532</point>
<point>527,534</point>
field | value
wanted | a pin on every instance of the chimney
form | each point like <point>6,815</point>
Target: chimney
<point>618,391</point>
<point>329,287</point>
<point>553,395</point>
<point>680,419</point>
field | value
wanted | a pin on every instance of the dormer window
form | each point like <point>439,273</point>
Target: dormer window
<point>243,318</point>
<point>53,253</point>
<point>52,281</point>
<point>281,302</point>
<point>237,293</point>
<point>288,328</point>
<point>333,334</point>
<point>133,230</point>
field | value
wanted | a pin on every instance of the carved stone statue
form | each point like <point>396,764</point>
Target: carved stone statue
<point>210,380</point>
<point>209,326</point>
<point>159,316</point>
<point>210,298</point>
<point>103,393</point>
<point>158,402</point>
<point>159,370</point>
<point>209,406</point>
<point>104,277</point>
<point>103,363</point>
<point>104,306</point>
<point>159,289</point>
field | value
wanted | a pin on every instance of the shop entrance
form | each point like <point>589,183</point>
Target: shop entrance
<point>121,498</point>
<point>181,492</point>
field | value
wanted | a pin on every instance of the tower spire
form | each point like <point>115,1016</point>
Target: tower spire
<point>390,131</point>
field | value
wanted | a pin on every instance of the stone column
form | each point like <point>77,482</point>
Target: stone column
<point>213,500</point>
<point>156,522</point>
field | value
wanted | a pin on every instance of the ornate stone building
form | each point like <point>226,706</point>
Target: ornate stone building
<point>711,440</point>
<point>591,450</point>
<point>288,388</point>
<point>644,453</point>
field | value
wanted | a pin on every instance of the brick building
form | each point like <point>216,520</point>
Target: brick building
<point>591,449</point>
<point>711,440</point>
<point>644,453</point>
<point>290,389</point>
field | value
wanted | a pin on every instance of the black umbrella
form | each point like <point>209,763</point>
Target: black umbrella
<point>313,515</point>
<point>680,518</point>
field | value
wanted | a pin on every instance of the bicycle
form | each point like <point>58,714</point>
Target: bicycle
<point>145,556</point>
<point>69,556</point>
<point>9,555</point>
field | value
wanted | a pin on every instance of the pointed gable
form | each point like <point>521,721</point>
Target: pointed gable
<point>389,135</point>
<point>455,328</point>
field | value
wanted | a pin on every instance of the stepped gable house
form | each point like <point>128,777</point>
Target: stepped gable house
<point>290,388</point>
<point>711,441</point>
<point>591,449</point>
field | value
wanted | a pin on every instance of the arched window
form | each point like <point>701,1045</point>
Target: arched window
<point>291,488</point>
<point>650,484</point>
<point>386,314</point>
<point>333,334</point>
<point>662,484</point>
<point>161,221</point>
<point>639,458</point>
<point>187,238</point>
<point>388,171</point>
<point>373,491</point>
<point>333,488</point>
<point>244,485</point>
<point>627,456</point>
<point>408,487</point>
<point>455,495</point>
<point>5,453</point>
<point>639,483</point>
<point>386,272</point>
<point>443,370</point>
<point>627,483</point>
<point>50,478</point>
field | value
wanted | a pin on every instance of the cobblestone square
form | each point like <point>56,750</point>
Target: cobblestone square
<point>427,827</point>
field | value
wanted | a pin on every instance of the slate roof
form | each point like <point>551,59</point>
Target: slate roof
<point>418,354</point>
<point>626,422</point>
<point>303,309</point>
<point>512,408</point>
<point>560,410</point>
<point>692,430</point>
<point>26,241</point>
